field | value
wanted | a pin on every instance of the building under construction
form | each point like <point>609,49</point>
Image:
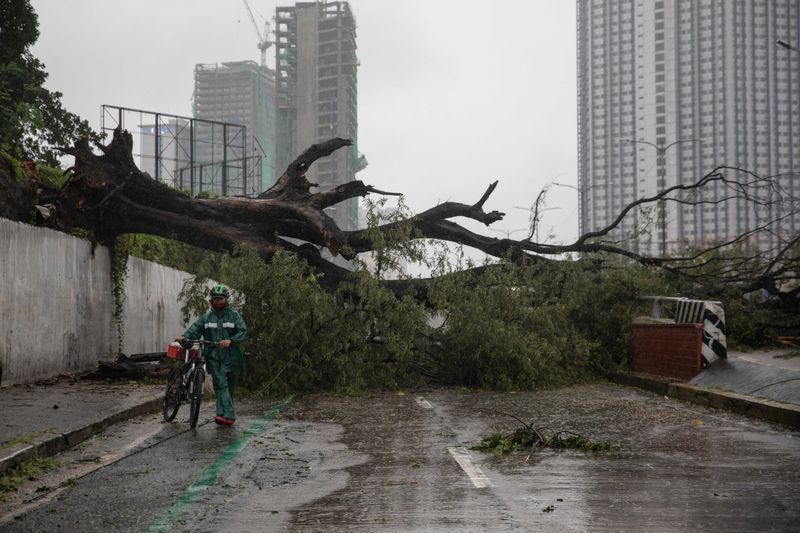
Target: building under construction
<point>310,97</point>
<point>241,92</point>
<point>315,79</point>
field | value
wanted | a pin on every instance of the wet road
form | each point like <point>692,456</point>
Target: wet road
<point>401,462</point>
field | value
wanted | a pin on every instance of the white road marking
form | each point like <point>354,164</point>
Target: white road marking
<point>478,478</point>
<point>422,402</point>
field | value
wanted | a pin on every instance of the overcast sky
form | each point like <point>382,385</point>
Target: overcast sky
<point>452,95</point>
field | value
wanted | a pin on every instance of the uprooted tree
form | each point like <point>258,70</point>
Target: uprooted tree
<point>528,319</point>
<point>109,196</point>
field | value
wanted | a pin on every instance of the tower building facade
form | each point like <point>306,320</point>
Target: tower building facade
<point>241,92</point>
<point>317,95</point>
<point>668,90</point>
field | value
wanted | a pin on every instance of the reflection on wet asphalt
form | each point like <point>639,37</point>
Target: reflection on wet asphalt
<point>401,462</point>
<point>672,467</point>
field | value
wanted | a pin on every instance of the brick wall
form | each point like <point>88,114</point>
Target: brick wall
<point>668,350</point>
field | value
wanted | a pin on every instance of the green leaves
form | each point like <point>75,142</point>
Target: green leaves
<point>33,122</point>
<point>19,28</point>
<point>304,338</point>
<point>507,327</point>
<point>527,438</point>
<point>510,328</point>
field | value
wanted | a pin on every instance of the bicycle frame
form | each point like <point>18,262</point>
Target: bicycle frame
<point>187,386</point>
<point>190,364</point>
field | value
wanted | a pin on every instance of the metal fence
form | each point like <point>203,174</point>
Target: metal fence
<point>195,155</point>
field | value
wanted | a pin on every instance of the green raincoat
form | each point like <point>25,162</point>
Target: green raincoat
<point>225,364</point>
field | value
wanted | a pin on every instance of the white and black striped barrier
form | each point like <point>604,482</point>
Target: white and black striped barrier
<point>711,314</point>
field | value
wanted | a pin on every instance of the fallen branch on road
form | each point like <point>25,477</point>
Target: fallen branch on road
<point>532,437</point>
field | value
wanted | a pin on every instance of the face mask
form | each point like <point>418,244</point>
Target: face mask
<point>219,304</point>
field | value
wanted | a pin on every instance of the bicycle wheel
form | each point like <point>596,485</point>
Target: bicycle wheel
<point>196,395</point>
<point>172,395</point>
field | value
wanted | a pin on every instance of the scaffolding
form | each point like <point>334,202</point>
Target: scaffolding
<point>316,83</point>
<point>285,81</point>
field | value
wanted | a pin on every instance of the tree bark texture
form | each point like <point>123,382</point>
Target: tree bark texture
<point>108,195</point>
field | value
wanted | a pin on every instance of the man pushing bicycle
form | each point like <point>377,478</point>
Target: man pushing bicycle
<point>223,325</point>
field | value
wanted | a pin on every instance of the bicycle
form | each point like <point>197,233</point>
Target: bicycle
<point>185,382</point>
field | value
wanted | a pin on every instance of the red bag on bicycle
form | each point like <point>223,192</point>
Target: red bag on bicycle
<point>176,351</point>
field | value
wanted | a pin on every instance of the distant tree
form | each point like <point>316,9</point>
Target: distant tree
<point>33,122</point>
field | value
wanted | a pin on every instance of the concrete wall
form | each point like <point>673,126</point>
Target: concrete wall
<point>56,304</point>
<point>152,312</point>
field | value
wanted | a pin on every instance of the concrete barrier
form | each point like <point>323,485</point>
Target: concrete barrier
<point>57,304</point>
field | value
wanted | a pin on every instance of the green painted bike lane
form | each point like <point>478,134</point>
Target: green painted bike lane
<point>209,476</point>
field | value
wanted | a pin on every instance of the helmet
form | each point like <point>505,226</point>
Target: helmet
<point>219,291</point>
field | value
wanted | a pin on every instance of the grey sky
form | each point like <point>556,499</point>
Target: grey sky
<point>452,94</point>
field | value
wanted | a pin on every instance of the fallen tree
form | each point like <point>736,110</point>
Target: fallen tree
<point>109,196</point>
<point>526,319</point>
<point>530,319</point>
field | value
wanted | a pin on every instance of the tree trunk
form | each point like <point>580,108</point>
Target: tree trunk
<point>108,195</point>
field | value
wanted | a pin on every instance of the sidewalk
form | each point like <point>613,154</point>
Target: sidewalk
<point>761,384</point>
<point>41,420</point>
<point>765,375</point>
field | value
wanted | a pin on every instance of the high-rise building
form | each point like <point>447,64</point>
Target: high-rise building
<point>670,89</point>
<point>243,93</point>
<point>316,67</point>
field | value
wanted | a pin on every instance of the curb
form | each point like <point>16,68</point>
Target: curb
<point>64,441</point>
<point>743,404</point>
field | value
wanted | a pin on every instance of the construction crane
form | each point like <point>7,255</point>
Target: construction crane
<point>263,40</point>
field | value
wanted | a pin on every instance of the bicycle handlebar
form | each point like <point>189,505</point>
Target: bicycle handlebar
<point>186,342</point>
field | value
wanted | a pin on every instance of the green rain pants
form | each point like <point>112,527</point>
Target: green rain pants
<point>225,374</point>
